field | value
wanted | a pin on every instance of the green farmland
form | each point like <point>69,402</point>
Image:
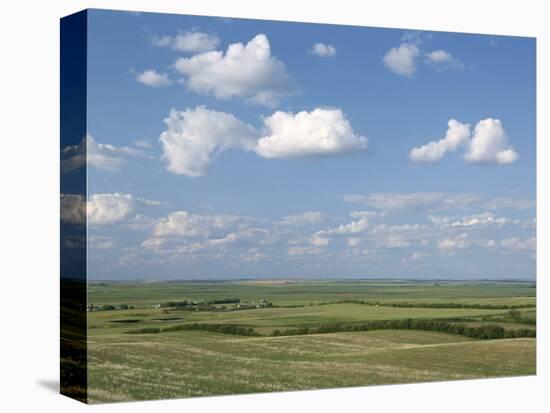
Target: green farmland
<point>185,339</point>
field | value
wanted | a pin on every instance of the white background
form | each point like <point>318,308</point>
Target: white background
<point>29,202</point>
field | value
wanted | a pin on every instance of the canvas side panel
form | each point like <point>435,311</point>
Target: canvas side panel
<point>73,340</point>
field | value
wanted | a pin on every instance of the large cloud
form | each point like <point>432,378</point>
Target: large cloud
<point>319,132</point>
<point>490,144</point>
<point>402,60</point>
<point>247,71</point>
<point>487,145</point>
<point>194,136</point>
<point>457,135</point>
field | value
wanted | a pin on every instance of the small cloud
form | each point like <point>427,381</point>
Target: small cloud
<point>459,242</point>
<point>254,255</point>
<point>443,60</point>
<point>417,256</point>
<point>402,60</point>
<point>190,42</point>
<point>323,50</point>
<point>162,41</point>
<point>517,244</point>
<point>298,251</point>
<point>416,37</point>
<point>153,78</point>
<point>101,209</point>
<point>298,220</point>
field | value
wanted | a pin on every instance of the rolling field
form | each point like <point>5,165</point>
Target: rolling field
<point>185,363</point>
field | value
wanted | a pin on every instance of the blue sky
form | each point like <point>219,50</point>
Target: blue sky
<point>303,151</point>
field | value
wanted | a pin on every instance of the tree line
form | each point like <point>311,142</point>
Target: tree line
<point>217,328</point>
<point>483,332</point>
<point>432,305</point>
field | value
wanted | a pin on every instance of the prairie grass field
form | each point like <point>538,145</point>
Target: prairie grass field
<point>189,339</point>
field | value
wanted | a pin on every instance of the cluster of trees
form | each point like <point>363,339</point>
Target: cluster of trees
<point>177,304</point>
<point>225,301</point>
<point>189,305</point>
<point>200,305</point>
<point>218,328</point>
<point>483,332</point>
<point>144,330</point>
<point>289,305</point>
<point>109,307</point>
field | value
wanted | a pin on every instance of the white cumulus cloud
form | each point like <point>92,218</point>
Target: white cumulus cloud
<point>443,60</point>
<point>111,208</point>
<point>194,136</point>
<point>319,132</point>
<point>457,135</point>
<point>323,50</point>
<point>402,60</point>
<point>489,144</point>
<point>247,71</point>
<point>153,78</point>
